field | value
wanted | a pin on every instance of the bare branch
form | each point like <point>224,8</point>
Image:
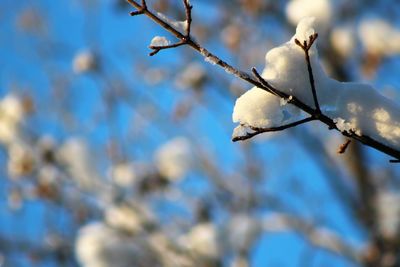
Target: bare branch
<point>159,48</point>
<point>140,9</point>
<point>258,131</point>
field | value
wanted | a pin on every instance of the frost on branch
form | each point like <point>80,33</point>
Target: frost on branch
<point>355,108</point>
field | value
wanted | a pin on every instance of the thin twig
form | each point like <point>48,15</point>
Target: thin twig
<point>258,130</point>
<point>306,46</point>
<point>140,9</point>
<point>366,140</point>
<point>158,48</point>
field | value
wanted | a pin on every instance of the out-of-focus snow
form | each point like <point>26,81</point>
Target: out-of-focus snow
<point>242,232</point>
<point>99,245</point>
<point>174,158</point>
<point>75,155</point>
<point>379,37</point>
<point>202,241</point>
<point>343,40</point>
<point>84,61</point>
<point>322,10</point>
<point>193,76</point>
<point>12,114</point>
<point>388,209</point>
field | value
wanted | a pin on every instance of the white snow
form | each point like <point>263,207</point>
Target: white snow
<point>258,108</point>
<point>379,37</point>
<point>243,231</point>
<point>192,76</point>
<point>178,25</point>
<point>84,61</point>
<point>211,59</point>
<point>160,41</point>
<point>370,112</point>
<point>202,240</point>
<point>123,217</point>
<point>355,107</point>
<point>343,40</point>
<point>21,160</point>
<point>12,114</point>
<point>174,158</point>
<point>344,126</point>
<point>322,10</point>
<point>388,209</point>
<point>99,245</point>
<point>123,174</point>
<point>74,153</point>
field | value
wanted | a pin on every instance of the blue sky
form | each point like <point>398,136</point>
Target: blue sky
<point>39,64</point>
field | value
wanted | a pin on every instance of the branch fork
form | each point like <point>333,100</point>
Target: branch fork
<point>184,38</point>
<point>140,10</point>
<point>306,46</point>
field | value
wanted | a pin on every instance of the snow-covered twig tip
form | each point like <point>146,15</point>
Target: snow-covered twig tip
<point>306,46</point>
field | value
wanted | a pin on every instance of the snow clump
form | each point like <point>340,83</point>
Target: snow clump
<point>354,107</point>
<point>160,41</point>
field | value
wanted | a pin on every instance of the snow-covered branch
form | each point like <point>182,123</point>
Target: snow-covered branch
<point>354,114</point>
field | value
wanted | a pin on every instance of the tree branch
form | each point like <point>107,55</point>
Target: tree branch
<point>258,131</point>
<point>366,140</point>
<point>184,40</point>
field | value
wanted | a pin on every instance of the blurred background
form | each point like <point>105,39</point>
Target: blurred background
<point>109,157</point>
